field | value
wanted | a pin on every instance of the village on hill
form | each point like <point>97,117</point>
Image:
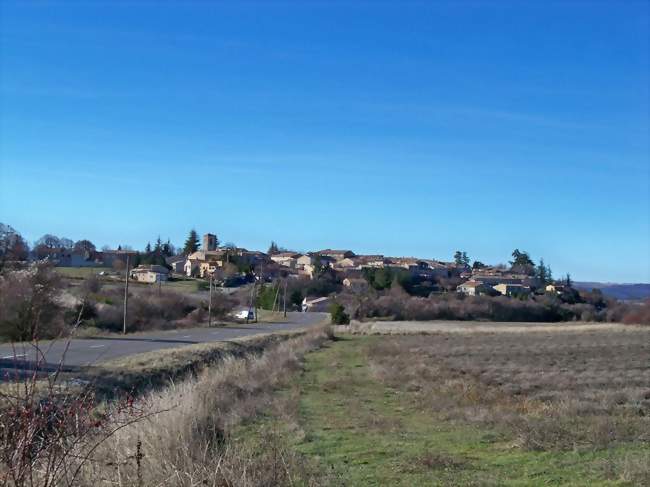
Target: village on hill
<point>231,266</point>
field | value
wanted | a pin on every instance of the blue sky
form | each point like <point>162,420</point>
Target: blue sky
<point>403,128</point>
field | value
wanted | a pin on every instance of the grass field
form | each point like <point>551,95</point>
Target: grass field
<point>185,285</point>
<point>506,408</point>
<point>522,409</point>
<point>182,285</point>
<point>81,272</point>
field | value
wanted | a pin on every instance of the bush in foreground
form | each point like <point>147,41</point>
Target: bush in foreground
<point>338,314</point>
<point>29,308</point>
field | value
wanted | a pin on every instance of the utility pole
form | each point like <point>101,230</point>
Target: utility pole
<point>126,293</point>
<point>210,304</point>
<point>250,306</point>
<point>255,302</point>
<point>284,300</point>
<point>261,284</point>
<point>275,299</point>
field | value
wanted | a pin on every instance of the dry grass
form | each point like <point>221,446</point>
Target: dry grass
<point>432,460</point>
<point>144,371</point>
<point>134,374</point>
<point>631,468</point>
<point>554,391</point>
<point>190,442</point>
<point>383,327</point>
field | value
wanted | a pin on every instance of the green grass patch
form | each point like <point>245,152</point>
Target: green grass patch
<point>182,285</point>
<point>81,272</point>
<point>370,434</point>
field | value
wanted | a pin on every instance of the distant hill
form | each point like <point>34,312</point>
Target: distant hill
<point>617,291</point>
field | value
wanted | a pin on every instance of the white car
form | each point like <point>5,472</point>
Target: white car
<point>245,314</point>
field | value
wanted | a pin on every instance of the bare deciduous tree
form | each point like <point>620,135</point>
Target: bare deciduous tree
<point>84,246</point>
<point>13,246</point>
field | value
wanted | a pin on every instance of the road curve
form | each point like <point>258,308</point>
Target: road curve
<point>90,351</point>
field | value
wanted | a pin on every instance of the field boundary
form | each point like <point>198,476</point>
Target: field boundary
<point>433,327</point>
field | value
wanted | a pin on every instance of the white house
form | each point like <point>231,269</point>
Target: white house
<point>287,259</point>
<point>177,263</point>
<point>511,289</point>
<point>191,267</point>
<point>305,260</point>
<point>471,288</point>
<point>150,273</point>
<point>335,254</point>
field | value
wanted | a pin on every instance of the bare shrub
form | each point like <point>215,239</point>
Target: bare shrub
<point>50,430</point>
<point>535,308</point>
<point>637,314</point>
<point>194,317</point>
<point>28,303</point>
<point>109,316</point>
<point>159,309</point>
<point>148,309</point>
<point>222,304</point>
<point>91,285</point>
<point>459,307</point>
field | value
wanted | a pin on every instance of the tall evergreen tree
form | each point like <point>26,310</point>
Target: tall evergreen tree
<point>147,249</point>
<point>544,273</point>
<point>167,249</point>
<point>541,272</point>
<point>192,243</point>
<point>522,263</point>
<point>461,258</point>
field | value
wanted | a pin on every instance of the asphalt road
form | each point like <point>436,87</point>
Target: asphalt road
<point>91,351</point>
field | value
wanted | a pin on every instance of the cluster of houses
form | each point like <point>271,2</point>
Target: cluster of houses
<point>216,262</point>
<point>222,263</point>
<point>67,257</point>
<point>491,280</point>
<point>64,257</point>
<point>347,262</point>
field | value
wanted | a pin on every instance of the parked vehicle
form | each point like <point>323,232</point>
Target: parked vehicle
<point>245,314</point>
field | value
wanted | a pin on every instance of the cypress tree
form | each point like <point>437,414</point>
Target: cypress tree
<point>192,243</point>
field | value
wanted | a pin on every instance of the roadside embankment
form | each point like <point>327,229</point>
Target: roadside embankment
<point>150,370</point>
<point>188,438</point>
